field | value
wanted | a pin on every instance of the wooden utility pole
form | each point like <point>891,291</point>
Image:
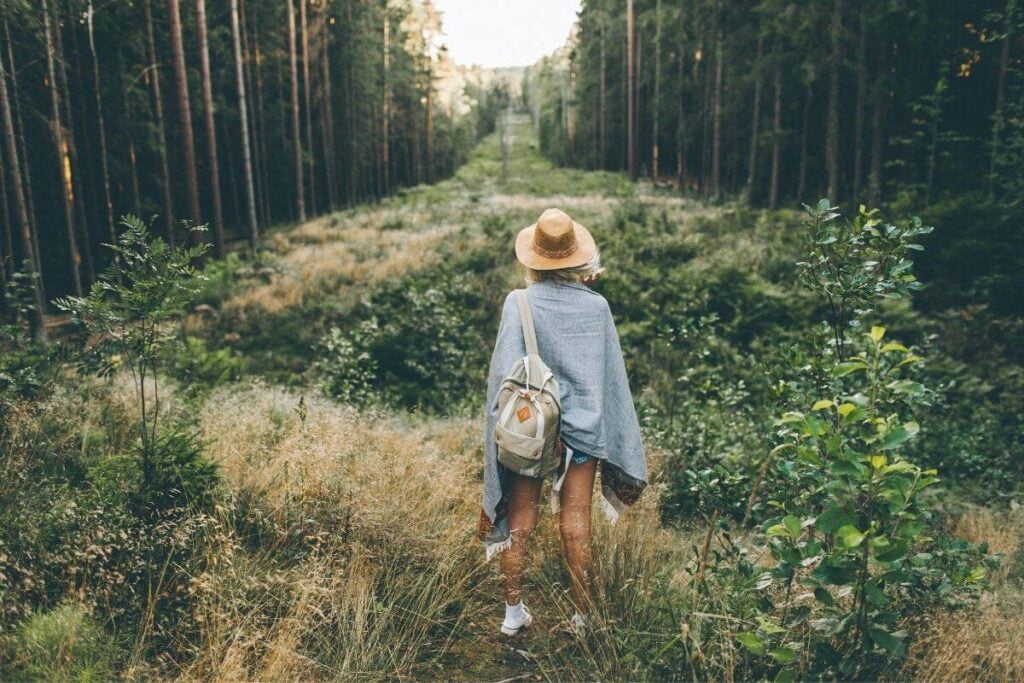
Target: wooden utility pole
<point>243,116</point>
<point>158,115</point>
<point>188,146</point>
<point>300,200</point>
<point>630,89</point>
<point>35,317</point>
<point>63,159</point>
<point>211,129</point>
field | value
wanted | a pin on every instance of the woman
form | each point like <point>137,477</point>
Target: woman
<point>576,338</point>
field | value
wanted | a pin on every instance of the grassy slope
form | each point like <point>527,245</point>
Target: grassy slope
<point>361,560</point>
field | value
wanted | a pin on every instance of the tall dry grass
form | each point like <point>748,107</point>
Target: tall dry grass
<point>985,643</point>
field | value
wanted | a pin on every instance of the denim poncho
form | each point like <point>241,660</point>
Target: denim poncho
<point>576,338</point>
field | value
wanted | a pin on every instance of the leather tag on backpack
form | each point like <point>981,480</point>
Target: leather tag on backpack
<point>523,413</point>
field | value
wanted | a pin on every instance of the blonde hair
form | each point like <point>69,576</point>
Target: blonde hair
<point>588,272</point>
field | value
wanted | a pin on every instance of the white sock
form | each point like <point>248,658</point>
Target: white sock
<point>514,613</point>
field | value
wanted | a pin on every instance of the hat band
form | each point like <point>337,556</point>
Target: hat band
<point>562,253</point>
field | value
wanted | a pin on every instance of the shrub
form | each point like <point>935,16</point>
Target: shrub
<point>64,644</point>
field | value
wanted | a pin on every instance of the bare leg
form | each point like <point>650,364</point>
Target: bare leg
<point>523,497</point>
<point>574,525</point>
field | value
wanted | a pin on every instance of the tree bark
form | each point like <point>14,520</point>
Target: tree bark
<point>188,147</point>
<point>19,131</point>
<point>716,139</point>
<point>656,104</point>
<point>300,201</point>
<point>211,130</point>
<point>386,107</point>
<point>997,115</point>
<point>161,132</point>
<point>36,326</point>
<point>327,111</point>
<point>862,87</point>
<point>307,100</point>
<point>773,193</point>
<point>755,126</point>
<point>877,134</point>
<point>832,132</point>
<point>108,203</point>
<point>67,188</point>
<point>243,116</point>
<point>801,184</point>
<point>630,91</point>
<point>602,122</point>
<point>681,115</point>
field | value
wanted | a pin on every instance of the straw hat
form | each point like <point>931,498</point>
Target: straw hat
<point>554,241</point>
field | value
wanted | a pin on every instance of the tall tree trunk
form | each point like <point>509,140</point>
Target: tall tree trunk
<point>108,203</point>
<point>656,104</point>
<point>84,236</point>
<point>254,58</point>
<point>6,244</point>
<point>832,132</point>
<point>998,122</point>
<point>428,126</point>
<point>877,133</point>
<point>243,117</point>
<point>327,111</point>
<point>801,185</point>
<point>602,123</point>
<point>859,107</point>
<point>773,194</point>
<point>755,124</point>
<point>188,146</point>
<point>630,91</point>
<point>307,100</point>
<point>67,187</point>
<point>386,107</point>
<point>26,175</point>
<point>211,130</point>
<point>681,115</point>
<point>300,201</point>
<point>161,132</point>
<point>36,325</point>
<point>716,140</point>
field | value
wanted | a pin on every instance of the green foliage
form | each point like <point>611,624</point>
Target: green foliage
<point>63,644</point>
<point>197,367</point>
<point>131,309</point>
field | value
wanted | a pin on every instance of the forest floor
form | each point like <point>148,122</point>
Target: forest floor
<point>372,564</point>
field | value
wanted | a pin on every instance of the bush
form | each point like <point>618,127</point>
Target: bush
<point>63,644</point>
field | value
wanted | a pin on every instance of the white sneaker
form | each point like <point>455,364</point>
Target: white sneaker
<point>512,626</point>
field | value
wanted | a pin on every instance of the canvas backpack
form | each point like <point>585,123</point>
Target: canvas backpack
<point>529,408</point>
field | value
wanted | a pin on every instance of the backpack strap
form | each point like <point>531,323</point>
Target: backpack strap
<point>529,334</point>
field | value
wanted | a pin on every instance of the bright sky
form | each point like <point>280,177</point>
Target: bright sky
<point>505,32</point>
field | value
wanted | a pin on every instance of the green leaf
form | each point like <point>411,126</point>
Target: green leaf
<point>845,409</point>
<point>895,346</point>
<point>843,369</point>
<point>877,332</point>
<point>783,655</point>
<point>751,641</point>
<point>785,675</point>
<point>823,404</point>
<point>835,517</point>
<point>897,436</point>
<point>849,536</point>
<point>887,641</point>
<point>792,525</point>
<point>824,596</point>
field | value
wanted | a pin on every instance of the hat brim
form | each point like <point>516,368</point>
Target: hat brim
<point>585,250</point>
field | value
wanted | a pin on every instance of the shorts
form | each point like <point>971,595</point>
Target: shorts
<point>578,457</point>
